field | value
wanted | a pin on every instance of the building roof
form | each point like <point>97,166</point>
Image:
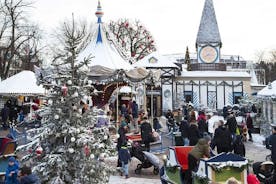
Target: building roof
<point>155,60</point>
<point>208,31</point>
<point>269,90</point>
<point>23,83</point>
<point>102,51</point>
<point>214,74</point>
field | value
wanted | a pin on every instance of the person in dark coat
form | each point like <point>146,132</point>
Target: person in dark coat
<point>232,125</point>
<point>124,157</point>
<point>202,125</point>
<point>27,177</point>
<point>124,112</point>
<point>5,116</point>
<point>156,125</point>
<point>249,124</point>
<point>122,139</point>
<point>225,112</point>
<point>254,109</point>
<point>135,114</point>
<point>238,146</point>
<point>184,129</point>
<point>146,133</point>
<point>194,133</point>
<point>222,138</point>
<point>170,120</point>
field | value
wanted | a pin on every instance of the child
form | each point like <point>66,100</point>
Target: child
<point>124,157</point>
<point>239,147</point>
<point>11,172</point>
<point>244,133</point>
<point>156,125</point>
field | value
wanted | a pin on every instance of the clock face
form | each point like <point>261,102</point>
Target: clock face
<point>208,54</point>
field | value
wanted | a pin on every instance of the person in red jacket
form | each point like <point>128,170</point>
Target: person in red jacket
<point>252,179</point>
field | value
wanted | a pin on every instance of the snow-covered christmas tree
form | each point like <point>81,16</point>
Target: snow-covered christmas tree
<point>69,148</point>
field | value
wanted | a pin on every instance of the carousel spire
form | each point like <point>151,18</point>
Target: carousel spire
<point>99,13</point>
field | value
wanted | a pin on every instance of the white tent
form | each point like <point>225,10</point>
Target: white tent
<point>23,83</point>
<point>269,90</point>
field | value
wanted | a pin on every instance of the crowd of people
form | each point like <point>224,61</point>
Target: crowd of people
<point>205,133</point>
<point>15,110</point>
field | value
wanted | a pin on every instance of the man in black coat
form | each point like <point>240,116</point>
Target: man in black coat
<point>146,133</point>
<point>5,116</point>
<point>184,129</point>
<point>232,125</point>
<point>222,138</point>
<point>194,134</point>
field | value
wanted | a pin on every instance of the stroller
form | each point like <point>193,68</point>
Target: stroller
<point>147,159</point>
<point>264,171</point>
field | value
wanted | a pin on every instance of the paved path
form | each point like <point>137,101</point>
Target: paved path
<point>132,180</point>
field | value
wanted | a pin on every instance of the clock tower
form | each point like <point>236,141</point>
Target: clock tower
<point>208,42</point>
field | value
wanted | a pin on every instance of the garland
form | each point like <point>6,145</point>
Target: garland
<point>219,169</point>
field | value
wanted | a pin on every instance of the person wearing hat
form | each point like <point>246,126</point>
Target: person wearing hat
<point>125,158</point>
<point>12,171</point>
<point>122,139</point>
<point>200,150</point>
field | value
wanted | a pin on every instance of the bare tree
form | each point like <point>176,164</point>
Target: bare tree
<point>133,37</point>
<point>15,33</point>
<point>71,37</point>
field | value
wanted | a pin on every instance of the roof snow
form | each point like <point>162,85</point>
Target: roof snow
<point>23,83</point>
<point>155,60</point>
<point>269,90</point>
<point>214,74</point>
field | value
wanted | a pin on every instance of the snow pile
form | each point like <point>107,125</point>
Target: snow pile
<point>258,140</point>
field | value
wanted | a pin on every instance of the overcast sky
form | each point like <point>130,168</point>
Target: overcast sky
<point>246,26</point>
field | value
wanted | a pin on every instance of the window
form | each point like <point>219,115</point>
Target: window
<point>188,96</point>
<point>236,97</point>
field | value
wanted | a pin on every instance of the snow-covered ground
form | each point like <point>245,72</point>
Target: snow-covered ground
<point>132,180</point>
<point>258,140</point>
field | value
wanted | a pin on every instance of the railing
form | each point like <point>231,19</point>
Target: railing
<point>208,67</point>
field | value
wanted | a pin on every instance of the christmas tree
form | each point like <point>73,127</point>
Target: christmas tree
<point>68,148</point>
<point>188,60</point>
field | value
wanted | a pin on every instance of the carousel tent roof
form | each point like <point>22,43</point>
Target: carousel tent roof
<point>102,52</point>
<point>155,60</point>
<point>23,83</point>
<point>269,90</point>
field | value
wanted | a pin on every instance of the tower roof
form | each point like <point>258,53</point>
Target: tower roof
<point>208,31</point>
